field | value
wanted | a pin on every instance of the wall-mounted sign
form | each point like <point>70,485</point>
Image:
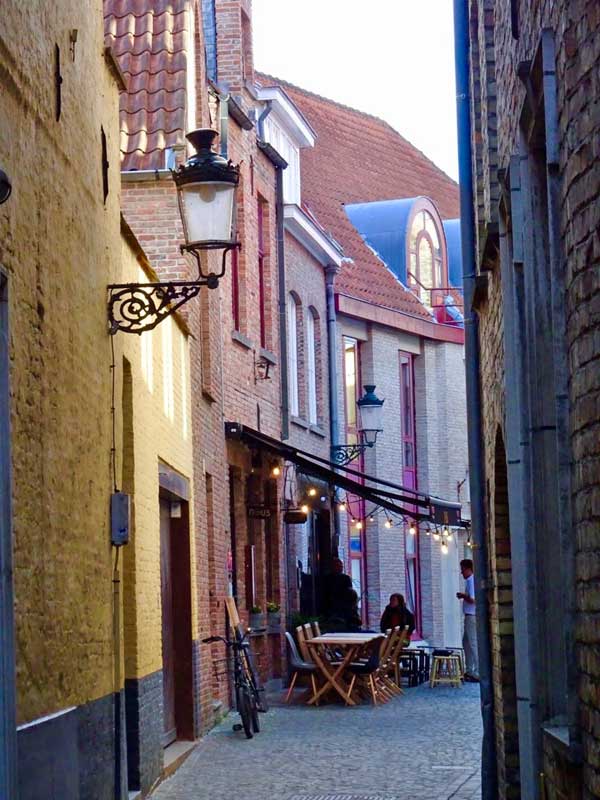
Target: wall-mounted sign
<point>259,512</point>
<point>444,515</point>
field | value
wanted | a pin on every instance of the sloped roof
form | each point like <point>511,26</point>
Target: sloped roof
<point>150,46</point>
<point>359,158</point>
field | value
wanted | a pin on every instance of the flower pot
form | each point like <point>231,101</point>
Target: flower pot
<point>258,621</point>
<point>274,622</point>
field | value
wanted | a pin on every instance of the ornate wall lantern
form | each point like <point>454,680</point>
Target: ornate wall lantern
<point>206,186</point>
<point>370,423</point>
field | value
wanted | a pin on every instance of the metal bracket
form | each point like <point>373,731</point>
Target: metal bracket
<point>139,307</point>
<point>345,453</point>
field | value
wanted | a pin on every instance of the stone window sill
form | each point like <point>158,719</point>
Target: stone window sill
<point>317,430</point>
<point>300,423</point>
<point>239,338</point>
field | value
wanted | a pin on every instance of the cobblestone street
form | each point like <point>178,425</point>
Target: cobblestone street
<point>424,745</point>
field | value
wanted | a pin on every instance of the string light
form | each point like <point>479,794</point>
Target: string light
<point>359,525</point>
<point>449,536</point>
<point>312,492</point>
<point>412,530</point>
<point>445,532</point>
<point>276,472</point>
<point>436,536</point>
<point>304,509</point>
<point>342,507</point>
<point>371,518</point>
<point>387,523</point>
<point>444,547</point>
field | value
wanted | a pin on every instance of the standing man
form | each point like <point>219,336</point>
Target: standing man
<point>470,629</point>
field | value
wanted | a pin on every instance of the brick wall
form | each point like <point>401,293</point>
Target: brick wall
<point>575,27</point>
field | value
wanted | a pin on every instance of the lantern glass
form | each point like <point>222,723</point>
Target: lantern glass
<point>207,211</point>
<point>371,416</point>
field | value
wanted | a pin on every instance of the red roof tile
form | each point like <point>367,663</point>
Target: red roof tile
<point>150,46</point>
<point>359,158</point>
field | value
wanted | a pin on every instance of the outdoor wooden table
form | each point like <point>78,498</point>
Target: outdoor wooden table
<point>333,674</point>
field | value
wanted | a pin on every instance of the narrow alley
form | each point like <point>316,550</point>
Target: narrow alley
<point>424,745</point>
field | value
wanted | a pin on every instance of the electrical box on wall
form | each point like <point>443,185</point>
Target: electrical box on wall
<point>120,515</point>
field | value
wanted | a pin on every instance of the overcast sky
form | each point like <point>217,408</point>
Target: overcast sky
<point>391,58</point>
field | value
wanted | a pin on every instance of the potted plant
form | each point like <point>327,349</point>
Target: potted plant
<point>257,618</point>
<point>273,617</point>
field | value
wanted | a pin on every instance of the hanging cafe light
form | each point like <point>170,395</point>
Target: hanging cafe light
<point>370,423</point>
<point>206,186</point>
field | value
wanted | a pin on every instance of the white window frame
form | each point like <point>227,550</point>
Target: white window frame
<point>292,348</point>
<point>311,368</point>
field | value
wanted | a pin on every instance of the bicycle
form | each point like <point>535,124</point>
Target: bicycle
<point>247,685</point>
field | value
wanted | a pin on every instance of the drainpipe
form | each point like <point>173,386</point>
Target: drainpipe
<point>283,364</point>
<point>8,725</point>
<point>472,362</point>
<point>334,422</point>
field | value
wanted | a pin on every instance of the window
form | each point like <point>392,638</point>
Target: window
<point>235,289</point>
<point>356,535</point>
<point>286,148</point>
<point>292,337</point>
<point>409,479</point>
<point>311,367</point>
<point>425,267</point>
<point>262,221</point>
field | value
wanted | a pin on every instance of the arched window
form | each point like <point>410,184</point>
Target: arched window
<point>426,260</point>
<point>292,348</point>
<point>311,366</point>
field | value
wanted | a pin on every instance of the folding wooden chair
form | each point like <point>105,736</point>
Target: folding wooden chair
<point>301,639</point>
<point>308,631</point>
<point>316,627</point>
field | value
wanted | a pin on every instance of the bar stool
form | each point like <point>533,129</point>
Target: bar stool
<point>446,667</point>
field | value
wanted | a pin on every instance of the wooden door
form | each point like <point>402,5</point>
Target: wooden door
<point>168,640</point>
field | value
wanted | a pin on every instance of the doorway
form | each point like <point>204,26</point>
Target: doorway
<point>175,581</point>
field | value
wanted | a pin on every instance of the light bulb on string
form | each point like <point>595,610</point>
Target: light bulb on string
<point>445,531</point>
<point>449,536</point>
<point>342,506</point>
<point>312,491</point>
<point>371,518</point>
<point>359,525</point>
<point>444,547</point>
<point>276,471</point>
<point>436,535</point>
<point>387,523</point>
<point>412,530</point>
<point>304,509</point>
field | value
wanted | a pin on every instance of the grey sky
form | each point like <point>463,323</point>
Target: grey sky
<point>391,58</point>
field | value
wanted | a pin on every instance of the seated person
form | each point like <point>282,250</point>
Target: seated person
<point>396,613</point>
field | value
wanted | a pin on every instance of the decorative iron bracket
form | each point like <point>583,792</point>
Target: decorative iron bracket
<point>343,454</point>
<point>139,307</point>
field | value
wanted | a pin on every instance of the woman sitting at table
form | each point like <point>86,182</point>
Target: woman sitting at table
<point>396,613</point>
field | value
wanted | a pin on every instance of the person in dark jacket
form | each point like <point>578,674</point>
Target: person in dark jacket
<point>396,613</point>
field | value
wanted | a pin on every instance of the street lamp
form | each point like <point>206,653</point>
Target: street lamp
<point>206,186</point>
<point>370,423</point>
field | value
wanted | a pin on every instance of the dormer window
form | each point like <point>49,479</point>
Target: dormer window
<point>426,268</point>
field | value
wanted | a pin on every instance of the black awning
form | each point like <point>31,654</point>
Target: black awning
<point>390,496</point>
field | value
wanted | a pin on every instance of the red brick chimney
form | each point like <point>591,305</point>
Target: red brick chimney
<point>235,65</point>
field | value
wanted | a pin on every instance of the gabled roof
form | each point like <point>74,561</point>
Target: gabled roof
<point>150,42</point>
<point>359,158</point>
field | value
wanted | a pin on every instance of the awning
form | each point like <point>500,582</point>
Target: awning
<point>390,496</point>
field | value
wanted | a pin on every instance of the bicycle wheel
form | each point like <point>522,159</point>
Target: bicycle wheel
<point>254,712</point>
<point>254,679</point>
<point>243,703</point>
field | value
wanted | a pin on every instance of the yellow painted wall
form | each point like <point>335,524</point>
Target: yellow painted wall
<point>161,405</point>
<point>60,245</point>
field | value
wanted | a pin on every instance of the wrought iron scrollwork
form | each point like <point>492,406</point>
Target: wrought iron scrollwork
<point>345,453</point>
<point>139,307</point>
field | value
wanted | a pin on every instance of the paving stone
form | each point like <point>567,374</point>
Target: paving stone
<point>424,745</point>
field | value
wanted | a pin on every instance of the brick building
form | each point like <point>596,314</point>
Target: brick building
<point>404,338</point>
<point>534,129</point>
<point>235,351</point>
